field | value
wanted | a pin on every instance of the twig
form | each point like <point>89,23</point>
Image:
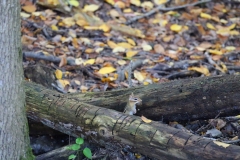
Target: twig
<point>161,8</point>
<point>41,56</point>
<point>130,74</point>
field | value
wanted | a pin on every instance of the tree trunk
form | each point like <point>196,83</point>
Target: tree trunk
<point>14,138</point>
<point>104,125</point>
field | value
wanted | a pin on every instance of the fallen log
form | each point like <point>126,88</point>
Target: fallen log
<point>175,100</point>
<point>154,139</point>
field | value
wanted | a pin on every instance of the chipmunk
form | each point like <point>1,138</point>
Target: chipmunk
<point>130,108</point>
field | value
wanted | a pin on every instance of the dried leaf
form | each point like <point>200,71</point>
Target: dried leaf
<point>90,8</point>
<point>90,61</point>
<point>217,52</point>
<point>146,47</point>
<point>205,15</point>
<point>119,49</point>
<point>130,54</point>
<point>135,2</point>
<point>210,26</point>
<point>176,27</point>
<point>29,8</point>
<point>106,70</point>
<point>144,119</point>
<point>158,48</point>
<point>58,74</point>
<point>201,69</point>
<point>138,75</point>
<point>225,145</point>
<point>74,3</point>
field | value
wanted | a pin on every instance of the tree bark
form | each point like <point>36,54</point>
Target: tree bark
<point>14,139</point>
<point>176,100</point>
<point>154,139</point>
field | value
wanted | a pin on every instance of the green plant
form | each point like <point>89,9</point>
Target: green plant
<point>76,147</point>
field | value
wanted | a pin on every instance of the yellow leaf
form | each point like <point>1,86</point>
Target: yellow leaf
<point>90,61</point>
<point>144,119</point>
<point>145,83</point>
<point>147,4</point>
<point>90,8</point>
<point>29,8</point>
<point>121,62</point>
<point>84,88</point>
<point>119,49</point>
<point>110,2</point>
<point>25,15</point>
<point>104,27</point>
<point>58,74</point>
<point>205,15</point>
<point>238,116</point>
<point>223,21</point>
<point>217,52</point>
<point>54,27</point>
<point>69,21</point>
<point>225,145</point>
<point>176,27</point>
<point>210,26</point>
<point>53,2</point>
<point>74,3</point>
<point>98,50</point>
<point>138,75</point>
<point>91,27</point>
<point>234,33</point>
<point>232,26</point>
<point>230,48</point>
<point>130,54</point>
<point>125,45</point>
<point>120,4</point>
<point>224,67</point>
<point>159,2</point>
<point>128,10</point>
<point>63,82</point>
<point>146,47</point>
<point>130,41</point>
<point>112,44</point>
<point>200,69</point>
<point>135,2</point>
<point>106,70</point>
<point>171,13</point>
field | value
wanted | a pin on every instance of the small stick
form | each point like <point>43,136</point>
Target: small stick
<point>161,8</point>
<point>130,74</point>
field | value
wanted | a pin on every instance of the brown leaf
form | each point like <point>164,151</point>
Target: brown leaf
<point>158,48</point>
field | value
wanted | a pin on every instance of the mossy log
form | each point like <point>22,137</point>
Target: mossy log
<point>188,99</point>
<point>76,118</point>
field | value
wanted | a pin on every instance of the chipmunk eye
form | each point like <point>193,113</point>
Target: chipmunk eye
<point>135,99</point>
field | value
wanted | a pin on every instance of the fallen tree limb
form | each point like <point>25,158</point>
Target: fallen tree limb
<point>162,8</point>
<point>154,139</point>
<point>188,99</point>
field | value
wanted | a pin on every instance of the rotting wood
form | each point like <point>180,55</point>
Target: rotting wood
<point>154,139</point>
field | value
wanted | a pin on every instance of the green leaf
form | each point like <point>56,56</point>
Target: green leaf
<point>74,3</point>
<point>87,152</point>
<point>75,147</point>
<point>72,156</point>
<point>79,140</point>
